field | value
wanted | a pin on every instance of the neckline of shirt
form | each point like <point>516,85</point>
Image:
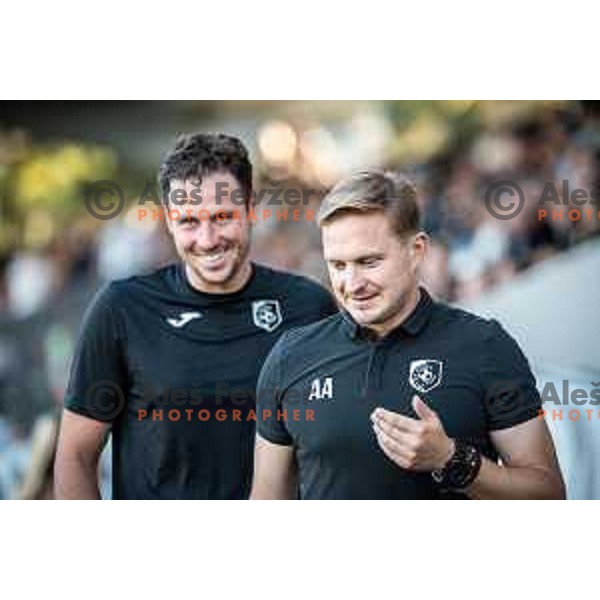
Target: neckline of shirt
<point>412,325</point>
<point>184,284</point>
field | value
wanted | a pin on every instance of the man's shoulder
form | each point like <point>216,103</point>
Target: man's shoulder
<point>119,296</point>
<point>286,280</point>
<point>312,336</point>
<point>158,279</point>
<point>481,334</point>
<point>465,320</point>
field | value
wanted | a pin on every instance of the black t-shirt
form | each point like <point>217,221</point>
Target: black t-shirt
<point>321,382</point>
<point>174,371</point>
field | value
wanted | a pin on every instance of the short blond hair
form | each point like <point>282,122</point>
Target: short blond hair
<point>371,191</point>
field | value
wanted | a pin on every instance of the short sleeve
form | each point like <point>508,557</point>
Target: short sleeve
<point>97,378</point>
<point>269,392</point>
<point>510,393</point>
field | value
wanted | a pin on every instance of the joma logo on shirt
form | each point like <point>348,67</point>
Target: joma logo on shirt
<point>184,319</point>
<point>321,391</point>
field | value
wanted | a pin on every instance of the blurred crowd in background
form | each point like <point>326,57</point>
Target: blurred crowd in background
<point>54,255</point>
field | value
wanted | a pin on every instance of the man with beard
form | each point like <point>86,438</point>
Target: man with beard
<point>410,398</point>
<point>159,355</point>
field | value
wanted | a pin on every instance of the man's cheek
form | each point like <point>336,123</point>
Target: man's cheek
<point>185,241</point>
<point>379,278</point>
<point>336,282</point>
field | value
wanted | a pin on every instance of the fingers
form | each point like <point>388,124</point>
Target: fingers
<point>401,436</point>
<point>381,415</point>
<point>423,411</point>
<point>398,453</point>
<point>414,444</point>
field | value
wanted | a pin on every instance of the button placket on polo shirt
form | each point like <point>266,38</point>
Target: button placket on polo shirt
<point>374,372</point>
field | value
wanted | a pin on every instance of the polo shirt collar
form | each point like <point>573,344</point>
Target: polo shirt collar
<point>418,318</point>
<point>189,290</point>
<point>412,325</point>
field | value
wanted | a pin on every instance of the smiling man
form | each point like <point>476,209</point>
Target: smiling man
<point>168,362</point>
<point>411,398</point>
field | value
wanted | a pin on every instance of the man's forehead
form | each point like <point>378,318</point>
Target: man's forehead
<point>208,182</point>
<point>356,227</point>
<point>353,248</point>
<point>357,236</point>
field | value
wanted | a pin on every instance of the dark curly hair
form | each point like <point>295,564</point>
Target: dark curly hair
<point>198,154</point>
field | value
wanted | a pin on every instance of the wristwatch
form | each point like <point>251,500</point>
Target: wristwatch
<point>461,469</point>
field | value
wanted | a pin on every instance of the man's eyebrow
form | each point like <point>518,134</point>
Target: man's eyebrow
<point>366,256</point>
<point>222,214</point>
<point>188,219</point>
<point>374,254</point>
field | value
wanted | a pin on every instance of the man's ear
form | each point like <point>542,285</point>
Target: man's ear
<point>169,222</point>
<point>419,248</point>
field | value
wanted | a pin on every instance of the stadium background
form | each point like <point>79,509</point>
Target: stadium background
<point>540,279</point>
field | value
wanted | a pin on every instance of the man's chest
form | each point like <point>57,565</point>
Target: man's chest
<point>343,392</point>
<point>181,349</point>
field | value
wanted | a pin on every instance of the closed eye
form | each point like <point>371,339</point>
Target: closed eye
<point>370,261</point>
<point>188,222</point>
<point>336,265</point>
<point>223,217</point>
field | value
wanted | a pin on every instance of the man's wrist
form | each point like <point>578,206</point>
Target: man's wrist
<point>461,469</point>
<point>451,450</point>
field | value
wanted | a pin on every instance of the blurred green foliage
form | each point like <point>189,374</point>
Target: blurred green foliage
<point>42,187</point>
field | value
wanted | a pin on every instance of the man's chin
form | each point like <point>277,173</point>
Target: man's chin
<point>364,318</point>
<point>213,276</point>
<point>220,276</point>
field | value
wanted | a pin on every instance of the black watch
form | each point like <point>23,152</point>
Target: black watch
<point>462,468</point>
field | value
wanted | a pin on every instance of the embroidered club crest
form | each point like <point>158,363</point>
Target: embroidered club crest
<point>267,314</point>
<point>425,375</point>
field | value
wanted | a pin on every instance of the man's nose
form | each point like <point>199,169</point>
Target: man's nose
<point>206,236</point>
<point>353,280</point>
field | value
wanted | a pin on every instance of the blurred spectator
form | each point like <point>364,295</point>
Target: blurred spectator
<point>14,461</point>
<point>38,481</point>
<point>30,279</point>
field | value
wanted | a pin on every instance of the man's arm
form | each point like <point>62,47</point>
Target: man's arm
<point>80,444</point>
<point>529,467</point>
<point>275,472</point>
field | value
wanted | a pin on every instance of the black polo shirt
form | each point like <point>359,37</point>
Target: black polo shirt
<point>334,374</point>
<point>159,360</point>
